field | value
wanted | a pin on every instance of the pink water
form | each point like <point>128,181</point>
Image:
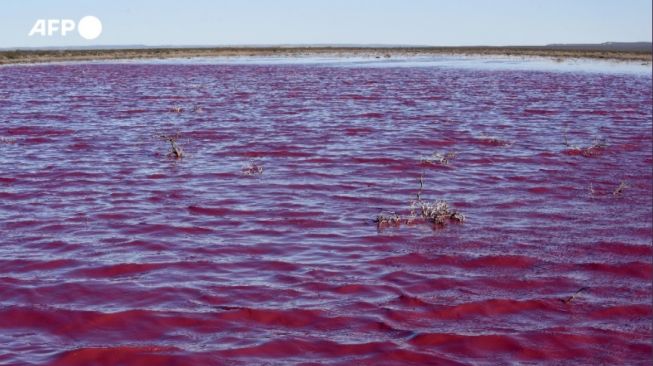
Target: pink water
<point>112,252</point>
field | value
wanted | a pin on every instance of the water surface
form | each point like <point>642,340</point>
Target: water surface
<point>114,252</point>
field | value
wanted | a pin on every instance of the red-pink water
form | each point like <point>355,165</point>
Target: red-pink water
<point>114,253</point>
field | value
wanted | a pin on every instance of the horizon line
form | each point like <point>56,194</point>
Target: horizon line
<point>315,45</point>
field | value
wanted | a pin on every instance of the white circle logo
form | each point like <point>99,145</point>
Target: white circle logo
<point>89,27</point>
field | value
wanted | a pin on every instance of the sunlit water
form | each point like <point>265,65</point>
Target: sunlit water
<point>114,252</point>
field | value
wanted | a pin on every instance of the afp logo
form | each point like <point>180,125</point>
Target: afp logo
<point>89,27</point>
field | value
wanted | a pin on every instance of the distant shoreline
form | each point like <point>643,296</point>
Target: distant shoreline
<point>563,52</point>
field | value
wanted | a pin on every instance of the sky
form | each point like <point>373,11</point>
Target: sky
<point>274,22</point>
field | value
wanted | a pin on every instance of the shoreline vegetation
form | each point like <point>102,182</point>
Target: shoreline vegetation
<point>21,56</point>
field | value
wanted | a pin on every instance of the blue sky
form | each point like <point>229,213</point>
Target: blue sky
<point>416,22</point>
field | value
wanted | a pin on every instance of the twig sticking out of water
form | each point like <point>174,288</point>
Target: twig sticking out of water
<point>176,151</point>
<point>617,192</point>
<point>572,297</point>
<point>421,186</point>
<point>620,189</point>
<point>567,144</point>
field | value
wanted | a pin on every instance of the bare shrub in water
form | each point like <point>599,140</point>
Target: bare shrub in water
<point>253,168</point>
<point>439,158</point>
<point>385,219</point>
<point>598,145</point>
<point>176,151</point>
<point>437,213</point>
